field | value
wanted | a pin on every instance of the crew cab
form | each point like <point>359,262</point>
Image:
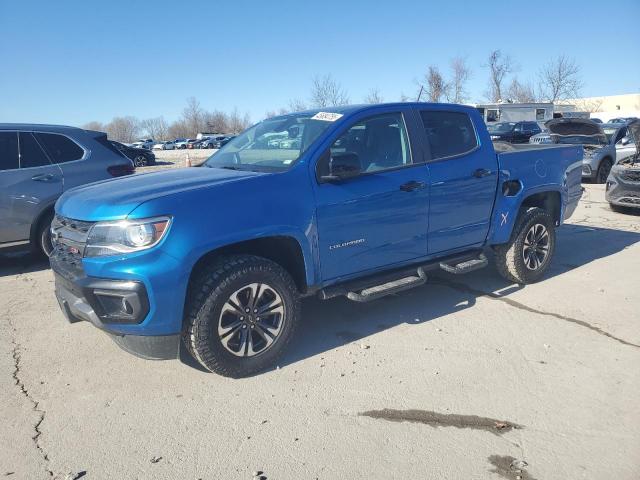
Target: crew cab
<point>368,202</point>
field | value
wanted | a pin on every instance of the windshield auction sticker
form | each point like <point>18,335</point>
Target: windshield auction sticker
<point>326,116</point>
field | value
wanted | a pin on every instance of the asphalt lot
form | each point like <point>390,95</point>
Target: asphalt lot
<point>454,380</point>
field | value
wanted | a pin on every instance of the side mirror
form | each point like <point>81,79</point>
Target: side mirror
<point>625,141</point>
<point>341,166</point>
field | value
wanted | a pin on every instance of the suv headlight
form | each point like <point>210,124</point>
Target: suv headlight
<point>125,236</point>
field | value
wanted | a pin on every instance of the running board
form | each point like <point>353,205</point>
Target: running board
<point>466,266</point>
<point>394,286</point>
<point>371,287</point>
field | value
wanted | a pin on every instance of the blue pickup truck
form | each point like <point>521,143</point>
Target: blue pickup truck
<point>360,201</point>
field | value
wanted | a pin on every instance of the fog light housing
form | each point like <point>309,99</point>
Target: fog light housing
<point>126,303</point>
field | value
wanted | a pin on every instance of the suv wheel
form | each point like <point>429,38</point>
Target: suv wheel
<point>603,170</point>
<point>140,161</point>
<point>527,255</point>
<point>42,243</point>
<point>242,312</point>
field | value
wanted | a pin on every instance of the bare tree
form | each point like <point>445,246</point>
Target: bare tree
<point>155,128</point>
<point>460,74</point>
<point>326,92</point>
<point>193,117</point>
<point>97,126</point>
<point>521,92</point>
<point>123,129</point>
<point>499,67</point>
<point>238,123</point>
<point>216,122</point>
<point>435,86</point>
<point>374,96</point>
<point>178,129</point>
<point>560,79</point>
<point>296,105</point>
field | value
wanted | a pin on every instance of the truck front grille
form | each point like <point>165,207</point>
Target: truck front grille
<point>69,239</point>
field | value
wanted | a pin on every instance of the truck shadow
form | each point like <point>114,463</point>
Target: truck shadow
<point>331,324</point>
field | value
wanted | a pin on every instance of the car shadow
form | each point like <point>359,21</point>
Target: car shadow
<point>21,262</point>
<point>331,324</point>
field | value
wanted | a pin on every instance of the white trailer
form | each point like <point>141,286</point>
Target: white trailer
<point>521,112</point>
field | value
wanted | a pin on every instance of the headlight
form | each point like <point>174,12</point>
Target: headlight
<point>126,236</point>
<point>495,137</point>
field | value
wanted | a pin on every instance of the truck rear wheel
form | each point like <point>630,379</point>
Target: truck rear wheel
<point>527,255</point>
<point>242,312</point>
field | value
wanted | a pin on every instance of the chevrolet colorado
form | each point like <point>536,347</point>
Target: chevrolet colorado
<point>363,202</point>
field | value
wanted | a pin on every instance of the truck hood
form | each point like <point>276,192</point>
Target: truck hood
<point>114,199</point>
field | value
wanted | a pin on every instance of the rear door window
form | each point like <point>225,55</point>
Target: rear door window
<point>60,148</point>
<point>449,133</point>
<point>9,151</point>
<point>31,155</point>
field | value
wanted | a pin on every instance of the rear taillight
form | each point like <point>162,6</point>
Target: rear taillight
<point>121,170</point>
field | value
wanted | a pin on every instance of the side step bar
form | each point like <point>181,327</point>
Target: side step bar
<point>379,285</point>
<point>466,266</point>
<point>394,286</point>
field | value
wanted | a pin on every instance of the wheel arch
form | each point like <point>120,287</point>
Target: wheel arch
<point>549,200</point>
<point>284,250</point>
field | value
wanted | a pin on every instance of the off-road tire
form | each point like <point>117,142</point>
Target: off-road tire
<point>509,256</point>
<point>209,290</point>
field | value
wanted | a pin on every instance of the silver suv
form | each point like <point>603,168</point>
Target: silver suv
<point>37,164</point>
<point>599,149</point>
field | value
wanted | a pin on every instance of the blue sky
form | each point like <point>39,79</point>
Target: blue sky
<point>74,61</point>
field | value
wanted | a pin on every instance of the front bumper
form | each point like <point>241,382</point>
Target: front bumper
<point>106,303</point>
<point>623,186</point>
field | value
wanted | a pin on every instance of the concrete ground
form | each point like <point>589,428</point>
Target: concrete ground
<point>465,378</point>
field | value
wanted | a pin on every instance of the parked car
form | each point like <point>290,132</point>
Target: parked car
<point>623,184</point>
<point>513,132</point>
<point>141,157</point>
<point>147,143</point>
<point>213,142</point>
<point>621,137</point>
<point>37,164</point>
<point>207,142</point>
<point>622,120</point>
<point>597,120</point>
<point>193,143</point>
<point>168,145</point>
<point>541,138</point>
<point>382,196</point>
<point>223,141</point>
<point>181,143</point>
<point>599,150</point>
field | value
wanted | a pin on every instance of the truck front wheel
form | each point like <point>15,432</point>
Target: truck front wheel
<point>242,312</point>
<point>527,255</point>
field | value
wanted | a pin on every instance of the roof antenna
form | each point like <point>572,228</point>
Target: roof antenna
<point>420,93</point>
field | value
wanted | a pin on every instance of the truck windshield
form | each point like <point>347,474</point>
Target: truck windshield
<point>272,145</point>
<point>501,127</point>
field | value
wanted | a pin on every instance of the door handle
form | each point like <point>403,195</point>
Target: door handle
<point>43,177</point>
<point>481,172</point>
<point>411,186</point>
